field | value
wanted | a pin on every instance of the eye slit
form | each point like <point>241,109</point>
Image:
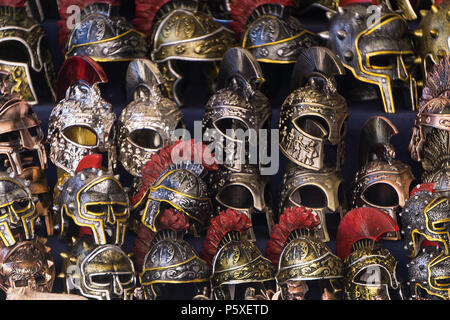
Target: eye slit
<point>381,195</point>
<point>118,208</point>
<point>20,205</point>
<point>125,277</point>
<point>443,282</point>
<point>146,138</point>
<point>81,135</point>
<point>101,279</point>
<point>382,60</point>
<point>408,59</point>
<point>10,136</point>
<point>236,196</point>
<point>21,283</point>
<point>310,196</point>
<point>230,124</point>
<point>312,125</point>
<point>96,208</point>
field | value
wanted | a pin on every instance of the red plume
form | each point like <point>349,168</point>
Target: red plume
<point>226,221</point>
<point>164,158</point>
<point>169,219</point>
<point>240,11</point>
<point>146,11</point>
<point>78,68</point>
<point>423,186</point>
<point>292,219</point>
<point>90,161</point>
<point>427,243</point>
<point>362,223</point>
<point>65,13</point>
<point>13,3</point>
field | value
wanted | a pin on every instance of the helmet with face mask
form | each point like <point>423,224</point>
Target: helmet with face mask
<point>101,272</point>
<point>431,132</point>
<point>181,30</point>
<point>313,117</point>
<point>382,181</point>
<point>321,191</point>
<point>235,114</point>
<point>236,262</point>
<point>82,123</point>
<point>25,54</point>
<point>149,122</point>
<point>299,256</point>
<point>17,210</point>
<point>95,200</point>
<point>27,264</point>
<point>95,29</point>
<point>369,269</point>
<point>269,31</point>
<point>169,266</point>
<point>374,45</point>
<point>174,178</point>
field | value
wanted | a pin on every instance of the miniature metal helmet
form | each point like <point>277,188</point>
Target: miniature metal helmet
<point>425,217</point>
<point>433,36</point>
<point>181,30</point>
<point>25,54</point>
<point>82,123</point>
<point>94,199</point>
<point>369,269</point>
<point>27,264</point>
<point>238,110</point>
<point>17,210</point>
<point>149,122</point>
<point>174,177</point>
<point>321,191</point>
<point>234,259</point>
<point>269,31</point>
<point>313,117</point>
<point>382,181</point>
<point>431,131</point>
<point>102,272</point>
<point>298,255</point>
<point>245,192</point>
<point>374,45</point>
<point>96,30</point>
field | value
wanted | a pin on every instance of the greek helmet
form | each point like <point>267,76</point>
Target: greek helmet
<point>374,45</point>
<point>181,30</point>
<point>93,199</point>
<point>269,31</point>
<point>95,29</point>
<point>167,260</point>
<point>313,117</point>
<point>25,54</point>
<point>82,123</point>
<point>297,254</point>
<point>174,178</point>
<point>369,269</point>
<point>382,181</point>
<point>233,258</point>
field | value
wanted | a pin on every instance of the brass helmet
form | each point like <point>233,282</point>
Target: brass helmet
<point>314,115</point>
<point>431,132</point>
<point>181,30</point>
<point>25,54</point>
<point>95,29</point>
<point>381,181</point>
<point>298,255</point>
<point>369,270</point>
<point>234,259</point>
<point>269,31</point>
<point>432,36</point>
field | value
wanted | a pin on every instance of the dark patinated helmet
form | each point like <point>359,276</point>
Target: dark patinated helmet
<point>234,259</point>
<point>313,117</point>
<point>95,29</point>
<point>370,271</point>
<point>94,199</point>
<point>297,254</point>
<point>381,181</point>
<point>149,122</point>
<point>25,54</point>
<point>269,31</point>
<point>181,30</point>
<point>374,45</point>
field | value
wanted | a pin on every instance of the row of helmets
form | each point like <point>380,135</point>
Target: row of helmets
<point>172,31</point>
